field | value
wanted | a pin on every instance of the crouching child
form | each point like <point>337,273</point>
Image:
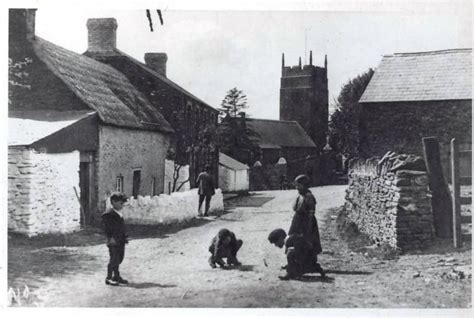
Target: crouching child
<point>114,228</point>
<point>224,245</point>
<point>298,254</point>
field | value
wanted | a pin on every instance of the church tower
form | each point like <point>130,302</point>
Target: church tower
<point>304,98</point>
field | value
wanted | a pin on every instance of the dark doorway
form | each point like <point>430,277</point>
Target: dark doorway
<point>137,174</point>
<point>84,185</point>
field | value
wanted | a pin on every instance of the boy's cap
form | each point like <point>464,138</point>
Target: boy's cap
<point>118,196</point>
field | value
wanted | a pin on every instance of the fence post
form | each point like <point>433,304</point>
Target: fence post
<point>441,201</point>
<point>456,193</point>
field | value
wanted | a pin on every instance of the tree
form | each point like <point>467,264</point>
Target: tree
<point>237,140</point>
<point>185,150</point>
<point>344,122</point>
<point>233,103</point>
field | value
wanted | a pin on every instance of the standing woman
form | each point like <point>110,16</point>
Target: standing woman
<point>304,222</point>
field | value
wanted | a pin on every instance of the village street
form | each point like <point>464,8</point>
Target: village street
<point>171,270</point>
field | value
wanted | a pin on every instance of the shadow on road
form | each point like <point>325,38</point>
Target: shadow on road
<point>341,272</point>
<point>149,285</point>
<point>244,268</point>
<point>316,279</point>
<point>248,202</point>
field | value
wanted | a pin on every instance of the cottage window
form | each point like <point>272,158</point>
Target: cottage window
<point>119,183</point>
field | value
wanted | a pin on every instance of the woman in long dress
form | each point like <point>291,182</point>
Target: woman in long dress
<point>304,222</point>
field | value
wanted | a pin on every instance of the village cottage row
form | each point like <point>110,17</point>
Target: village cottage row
<point>77,114</point>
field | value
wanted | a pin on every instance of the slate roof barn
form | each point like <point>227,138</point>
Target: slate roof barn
<point>423,76</point>
<point>416,95</point>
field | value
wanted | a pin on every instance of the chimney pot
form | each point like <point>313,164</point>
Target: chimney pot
<point>102,34</point>
<point>157,62</point>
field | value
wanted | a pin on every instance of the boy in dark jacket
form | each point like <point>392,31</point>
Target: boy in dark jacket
<point>224,245</point>
<point>298,254</point>
<point>114,228</point>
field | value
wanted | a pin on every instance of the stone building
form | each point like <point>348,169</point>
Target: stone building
<point>415,95</point>
<point>188,115</point>
<point>304,98</point>
<point>121,138</point>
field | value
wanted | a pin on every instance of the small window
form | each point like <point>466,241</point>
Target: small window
<point>119,183</point>
<point>153,186</point>
<point>137,175</point>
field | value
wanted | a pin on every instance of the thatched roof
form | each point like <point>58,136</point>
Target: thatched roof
<point>102,88</point>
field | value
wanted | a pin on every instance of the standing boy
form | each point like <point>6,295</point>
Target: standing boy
<point>114,227</point>
<point>206,189</point>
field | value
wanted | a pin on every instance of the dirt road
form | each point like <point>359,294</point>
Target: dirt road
<point>171,270</point>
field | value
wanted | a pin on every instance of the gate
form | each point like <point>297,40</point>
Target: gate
<point>460,176</point>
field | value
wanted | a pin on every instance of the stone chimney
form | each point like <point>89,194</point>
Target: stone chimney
<point>21,25</point>
<point>102,34</point>
<point>157,62</point>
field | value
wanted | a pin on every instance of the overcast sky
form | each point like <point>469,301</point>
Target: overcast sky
<point>210,52</point>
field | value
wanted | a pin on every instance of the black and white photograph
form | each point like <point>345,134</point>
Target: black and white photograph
<point>295,155</point>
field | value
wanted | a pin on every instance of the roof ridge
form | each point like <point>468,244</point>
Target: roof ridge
<point>445,51</point>
<point>274,120</point>
<point>161,77</point>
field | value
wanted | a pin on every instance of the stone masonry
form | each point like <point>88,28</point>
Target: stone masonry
<point>41,196</point>
<point>388,200</point>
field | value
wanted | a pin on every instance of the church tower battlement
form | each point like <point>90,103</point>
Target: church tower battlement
<point>304,98</point>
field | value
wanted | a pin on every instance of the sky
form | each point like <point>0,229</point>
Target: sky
<point>210,52</point>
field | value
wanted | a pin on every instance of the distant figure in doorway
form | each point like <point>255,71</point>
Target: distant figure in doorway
<point>224,245</point>
<point>114,228</point>
<point>206,190</point>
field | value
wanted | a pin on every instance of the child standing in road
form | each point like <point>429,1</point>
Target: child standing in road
<point>114,228</point>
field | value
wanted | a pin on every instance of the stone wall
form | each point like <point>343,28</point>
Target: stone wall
<point>399,126</point>
<point>121,151</point>
<point>166,209</point>
<point>388,199</point>
<point>41,197</point>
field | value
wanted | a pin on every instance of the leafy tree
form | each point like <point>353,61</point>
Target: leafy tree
<point>233,103</point>
<point>237,140</point>
<point>344,122</point>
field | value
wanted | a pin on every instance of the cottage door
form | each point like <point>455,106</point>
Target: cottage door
<point>136,183</point>
<point>84,184</point>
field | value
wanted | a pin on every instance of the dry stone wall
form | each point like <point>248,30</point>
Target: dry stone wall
<point>41,197</point>
<point>388,199</point>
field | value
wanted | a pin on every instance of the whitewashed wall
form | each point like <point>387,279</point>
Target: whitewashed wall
<point>166,209</point>
<point>233,180</point>
<point>183,176</point>
<point>41,197</point>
